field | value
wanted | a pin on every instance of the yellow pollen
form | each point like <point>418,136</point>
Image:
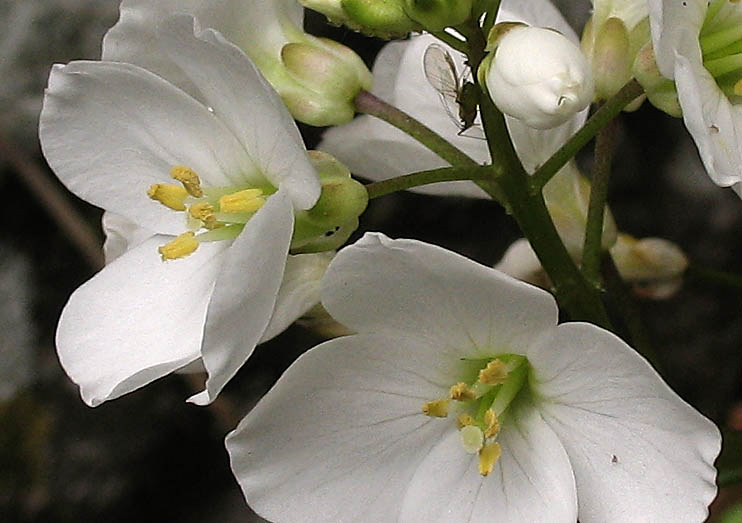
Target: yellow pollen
<point>462,392</point>
<point>738,87</point>
<point>436,409</point>
<point>464,420</point>
<point>171,196</point>
<point>493,425</point>
<point>488,456</point>
<point>495,373</point>
<point>188,178</point>
<point>248,200</point>
<point>180,247</point>
<point>205,212</point>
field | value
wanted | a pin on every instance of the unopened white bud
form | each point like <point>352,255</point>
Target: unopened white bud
<point>539,76</point>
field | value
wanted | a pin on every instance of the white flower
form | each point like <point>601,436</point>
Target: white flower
<point>653,266</point>
<point>269,32</point>
<point>539,77</point>
<point>376,150</point>
<point>460,399</point>
<point>113,131</point>
<point>697,44</point>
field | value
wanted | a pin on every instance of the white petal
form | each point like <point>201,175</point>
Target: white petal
<point>412,287</point>
<point>257,27</point>
<point>713,121</point>
<point>111,130</point>
<point>136,320</point>
<point>670,23</point>
<point>375,150</point>
<point>245,293</point>
<point>538,13</point>
<point>340,435</point>
<point>300,290</point>
<point>521,262</point>
<point>239,95</point>
<point>121,235</point>
<point>532,481</point>
<point>638,451</point>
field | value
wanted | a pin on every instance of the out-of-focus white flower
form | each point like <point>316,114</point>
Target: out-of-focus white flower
<point>317,78</point>
<point>461,399</point>
<point>111,131</point>
<point>376,150</point>
<point>538,76</point>
<point>697,44</point>
<point>653,266</point>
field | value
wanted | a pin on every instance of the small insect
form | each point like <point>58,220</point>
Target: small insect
<point>459,96</point>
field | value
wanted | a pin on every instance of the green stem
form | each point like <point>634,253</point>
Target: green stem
<point>631,315</point>
<point>451,40</point>
<point>369,104</point>
<point>408,181</point>
<point>597,121</point>
<point>573,292</point>
<point>714,276</point>
<point>591,253</point>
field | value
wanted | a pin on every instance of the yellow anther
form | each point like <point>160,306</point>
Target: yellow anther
<point>464,420</point>
<point>488,456</point>
<point>248,200</point>
<point>495,373</point>
<point>738,87</point>
<point>436,409</point>
<point>188,178</point>
<point>472,439</point>
<point>462,392</point>
<point>205,212</point>
<point>171,196</point>
<point>180,247</point>
<point>492,424</point>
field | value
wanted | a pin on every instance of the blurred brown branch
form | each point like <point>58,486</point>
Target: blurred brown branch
<point>54,201</point>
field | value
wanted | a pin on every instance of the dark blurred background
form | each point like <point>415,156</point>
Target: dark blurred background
<point>149,456</point>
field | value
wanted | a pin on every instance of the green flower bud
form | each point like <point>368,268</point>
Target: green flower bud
<point>607,50</point>
<point>659,90</point>
<point>334,217</point>
<point>435,15</point>
<point>382,18</point>
<point>332,9</point>
<point>319,79</point>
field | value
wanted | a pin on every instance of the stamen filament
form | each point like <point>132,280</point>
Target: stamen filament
<point>510,388</point>
<point>228,232</point>
<point>720,39</point>
<point>724,65</point>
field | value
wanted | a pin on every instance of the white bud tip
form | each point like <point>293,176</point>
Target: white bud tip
<point>539,77</point>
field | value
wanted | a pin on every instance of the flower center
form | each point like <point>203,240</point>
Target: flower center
<point>215,213</point>
<point>721,46</point>
<point>481,406</point>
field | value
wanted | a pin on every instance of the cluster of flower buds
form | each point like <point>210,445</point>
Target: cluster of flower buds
<point>393,18</point>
